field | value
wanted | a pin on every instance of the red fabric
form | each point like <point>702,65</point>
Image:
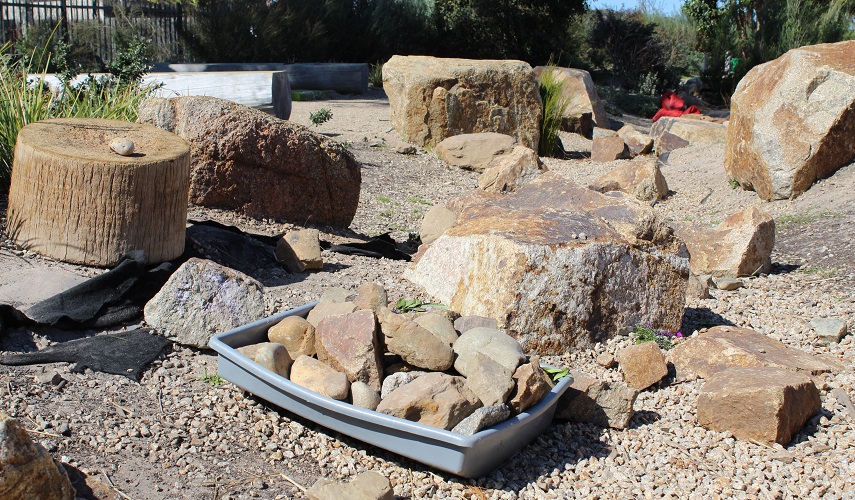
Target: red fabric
<point>671,104</point>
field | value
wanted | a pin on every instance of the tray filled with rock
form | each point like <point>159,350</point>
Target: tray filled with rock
<point>452,392</point>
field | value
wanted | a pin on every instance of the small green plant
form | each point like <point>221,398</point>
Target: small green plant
<point>734,184</point>
<point>804,218</point>
<point>420,201</point>
<point>375,75</point>
<point>320,116</point>
<point>819,271</point>
<point>416,305</point>
<point>554,106</point>
<point>384,199</point>
<point>556,374</point>
<point>212,378</point>
<point>664,338</point>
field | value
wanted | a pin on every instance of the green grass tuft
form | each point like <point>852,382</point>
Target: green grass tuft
<point>554,107</point>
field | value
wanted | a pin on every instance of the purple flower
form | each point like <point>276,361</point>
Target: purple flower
<point>679,334</point>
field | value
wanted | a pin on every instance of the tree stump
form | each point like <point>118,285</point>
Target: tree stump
<point>74,199</point>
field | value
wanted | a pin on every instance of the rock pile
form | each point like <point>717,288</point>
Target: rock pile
<point>460,376</point>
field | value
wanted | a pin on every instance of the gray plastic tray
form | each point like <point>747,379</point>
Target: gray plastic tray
<point>467,456</point>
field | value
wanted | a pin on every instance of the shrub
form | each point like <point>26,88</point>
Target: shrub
<point>375,75</point>
<point>320,116</point>
<point>646,333</point>
<point>554,107</point>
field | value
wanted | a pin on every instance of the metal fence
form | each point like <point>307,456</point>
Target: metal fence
<point>94,26</point>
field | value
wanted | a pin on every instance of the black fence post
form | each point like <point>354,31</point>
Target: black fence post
<point>63,20</point>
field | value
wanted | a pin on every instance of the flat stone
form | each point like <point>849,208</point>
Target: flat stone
<point>324,309</point>
<point>296,334</point>
<point>474,151</point>
<point>597,402</point>
<point>349,344</point>
<point>642,364</point>
<point>416,345</point>
<point>300,251</point>
<point>609,148</point>
<point>28,470</point>
<point>532,385</point>
<point>364,396</point>
<point>830,330</point>
<point>640,178</point>
<point>202,299</point>
<point>317,376</point>
<point>728,284</point>
<point>434,399</point>
<point>368,485</point>
<point>489,380</point>
<point>723,347</point>
<point>769,405</point>
<point>489,342</point>
<point>439,326</point>
<point>482,418</point>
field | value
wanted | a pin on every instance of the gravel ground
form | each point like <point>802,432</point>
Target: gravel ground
<point>179,434</point>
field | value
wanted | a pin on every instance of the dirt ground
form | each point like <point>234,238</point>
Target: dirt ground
<point>178,433</point>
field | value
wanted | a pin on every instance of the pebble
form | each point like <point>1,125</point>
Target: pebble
<point>122,146</point>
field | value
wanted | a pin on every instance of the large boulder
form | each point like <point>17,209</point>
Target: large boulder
<point>741,246</point>
<point>792,120</point>
<point>432,98</point>
<point>585,110</point>
<point>349,344</point>
<point>474,151</point>
<point>27,469</point>
<point>690,127</point>
<point>641,178</point>
<point>558,265</point>
<point>202,299</point>
<point>247,160</point>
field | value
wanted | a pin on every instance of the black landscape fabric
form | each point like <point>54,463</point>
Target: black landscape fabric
<point>125,353</point>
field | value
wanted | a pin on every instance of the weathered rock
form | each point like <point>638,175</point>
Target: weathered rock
<point>532,384</point>
<point>724,347</point>
<point>604,131</point>
<point>247,160</point>
<point>364,396</point>
<point>609,148</point>
<point>699,286</point>
<point>474,151</point>
<point>830,330</point>
<point>432,98</point>
<point>296,334</point>
<point>642,364</point>
<point>668,142</point>
<point>638,142</point>
<point>640,178</point>
<point>396,380</point>
<point>371,296</point>
<point>27,470</point>
<point>768,405</point>
<point>202,299</point>
<point>317,376</point>
<point>300,250</point>
<point>434,399</point>
<point>792,120</point>
<point>475,197</point>
<point>349,344</point>
<point>495,344</point>
<point>439,326</point>
<point>465,323</point>
<point>692,129</point>
<point>507,172</point>
<point>437,221</point>
<point>337,295</point>
<point>521,260</point>
<point>273,357</point>
<point>593,401</point>
<point>489,380</point>
<point>481,419</point>
<point>368,485</point>
<point>728,284</point>
<point>324,309</point>
<point>414,344</point>
<point>741,246</point>
<point>606,360</point>
<point>584,107</point>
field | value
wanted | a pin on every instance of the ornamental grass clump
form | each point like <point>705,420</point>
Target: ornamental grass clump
<point>554,107</point>
<point>664,338</point>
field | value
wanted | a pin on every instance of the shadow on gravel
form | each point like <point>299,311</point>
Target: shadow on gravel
<point>642,418</point>
<point>695,318</point>
<point>781,268</point>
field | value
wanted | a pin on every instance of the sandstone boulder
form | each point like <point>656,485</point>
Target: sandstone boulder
<point>202,299</point>
<point>768,405</point>
<point>434,399</point>
<point>691,128</point>
<point>489,342</point>
<point>585,110</point>
<point>325,308</point>
<point>440,326</point>
<point>319,377</point>
<point>474,151</point>
<point>609,148</point>
<point>724,347</point>
<point>640,178</point>
<point>829,330</point>
<point>349,344</point>
<point>26,469</point>
<point>417,346</point>
<point>740,246</point>
<point>699,286</point>
<point>597,402</point>
<point>792,120</point>
<point>371,296</point>
<point>432,98</point>
<point>296,334</point>
<point>489,380</point>
<point>481,419</point>
<point>558,265</point>
<point>668,142</point>
<point>638,142</point>
<point>273,357</point>
<point>300,250</point>
<point>642,364</point>
<point>437,220</point>
<point>244,159</point>
<point>510,171</point>
<point>532,384</point>
<point>465,323</point>
<point>364,396</point>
